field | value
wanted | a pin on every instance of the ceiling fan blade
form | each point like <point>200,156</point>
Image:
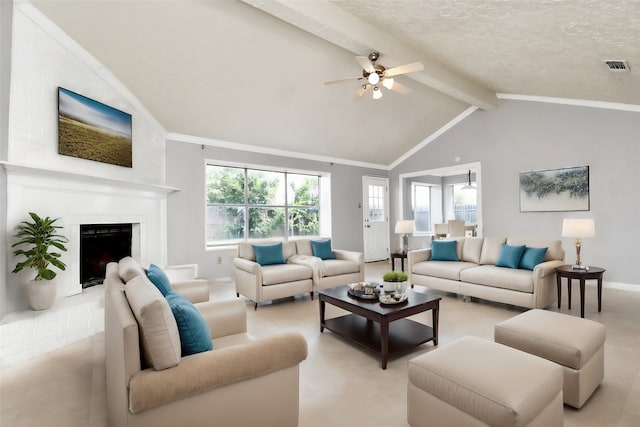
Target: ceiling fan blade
<point>404,69</point>
<point>400,88</point>
<point>362,90</point>
<point>365,64</point>
<point>344,80</point>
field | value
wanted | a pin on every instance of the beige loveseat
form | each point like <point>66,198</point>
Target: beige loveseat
<point>231,385</point>
<point>476,273</point>
<point>300,273</point>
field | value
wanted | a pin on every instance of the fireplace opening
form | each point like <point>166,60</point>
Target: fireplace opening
<point>101,244</point>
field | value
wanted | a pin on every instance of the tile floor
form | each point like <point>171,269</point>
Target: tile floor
<point>340,384</point>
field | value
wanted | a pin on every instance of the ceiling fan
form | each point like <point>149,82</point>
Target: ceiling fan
<point>376,75</point>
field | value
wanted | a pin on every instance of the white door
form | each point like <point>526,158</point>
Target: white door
<point>375,211</point>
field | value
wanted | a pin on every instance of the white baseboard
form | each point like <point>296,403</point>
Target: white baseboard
<point>222,279</point>
<point>613,285</point>
<point>621,286</point>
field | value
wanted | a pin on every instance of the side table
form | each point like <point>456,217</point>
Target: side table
<point>402,256</point>
<point>569,273</point>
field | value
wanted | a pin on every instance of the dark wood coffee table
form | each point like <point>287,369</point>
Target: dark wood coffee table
<point>395,334</point>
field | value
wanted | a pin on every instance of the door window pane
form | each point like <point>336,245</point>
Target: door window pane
<point>376,203</point>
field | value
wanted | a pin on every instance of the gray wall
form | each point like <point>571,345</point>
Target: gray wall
<point>186,211</point>
<point>523,136</point>
<point>6,12</point>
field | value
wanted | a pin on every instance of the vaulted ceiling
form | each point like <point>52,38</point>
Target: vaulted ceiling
<point>253,71</point>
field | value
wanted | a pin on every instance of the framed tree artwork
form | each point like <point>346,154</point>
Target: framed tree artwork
<point>555,190</point>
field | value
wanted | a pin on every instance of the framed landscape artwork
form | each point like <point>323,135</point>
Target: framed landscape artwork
<point>555,190</point>
<point>91,130</point>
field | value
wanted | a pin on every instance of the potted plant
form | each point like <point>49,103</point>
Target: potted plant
<point>394,281</point>
<point>36,238</point>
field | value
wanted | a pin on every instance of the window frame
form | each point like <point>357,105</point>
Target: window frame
<point>323,211</point>
<point>414,185</point>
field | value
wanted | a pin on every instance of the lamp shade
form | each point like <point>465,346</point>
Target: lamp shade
<point>405,226</point>
<point>578,227</point>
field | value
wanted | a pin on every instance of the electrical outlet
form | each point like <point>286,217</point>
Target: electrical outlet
<point>219,260</point>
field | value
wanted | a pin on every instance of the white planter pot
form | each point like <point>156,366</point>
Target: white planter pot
<point>389,287</point>
<point>41,293</point>
<point>394,287</point>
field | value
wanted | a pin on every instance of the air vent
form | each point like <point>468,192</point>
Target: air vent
<point>616,66</point>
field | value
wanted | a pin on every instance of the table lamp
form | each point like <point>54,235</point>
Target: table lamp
<point>405,227</point>
<point>578,228</point>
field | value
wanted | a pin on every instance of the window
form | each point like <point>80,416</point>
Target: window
<point>247,203</point>
<point>421,206</point>
<point>464,203</point>
<point>376,203</point>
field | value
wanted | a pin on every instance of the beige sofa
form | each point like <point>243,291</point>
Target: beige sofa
<point>476,275</point>
<point>204,389</point>
<point>300,274</point>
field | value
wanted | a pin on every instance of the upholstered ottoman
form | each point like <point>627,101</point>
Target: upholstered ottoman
<point>476,382</point>
<point>574,343</point>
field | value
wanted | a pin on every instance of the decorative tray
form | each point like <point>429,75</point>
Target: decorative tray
<point>364,290</point>
<point>390,299</point>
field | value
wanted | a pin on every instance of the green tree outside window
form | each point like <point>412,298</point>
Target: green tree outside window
<point>264,206</point>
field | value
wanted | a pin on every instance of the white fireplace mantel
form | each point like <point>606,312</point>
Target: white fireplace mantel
<point>13,168</point>
<point>78,199</point>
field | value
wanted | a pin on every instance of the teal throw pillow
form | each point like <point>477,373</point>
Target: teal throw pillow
<point>269,254</point>
<point>510,256</point>
<point>532,257</point>
<point>322,249</point>
<point>444,250</point>
<point>160,279</point>
<point>195,336</point>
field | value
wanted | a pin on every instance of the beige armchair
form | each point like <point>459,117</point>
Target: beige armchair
<point>300,273</point>
<point>204,389</point>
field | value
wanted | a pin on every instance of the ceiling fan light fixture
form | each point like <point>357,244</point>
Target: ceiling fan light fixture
<point>373,78</point>
<point>376,76</point>
<point>377,93</point>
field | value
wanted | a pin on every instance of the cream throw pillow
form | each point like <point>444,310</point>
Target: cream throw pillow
<point>158,329</point>
<point>472,249</point>
<point>491,248</point>
<point>129,268</point>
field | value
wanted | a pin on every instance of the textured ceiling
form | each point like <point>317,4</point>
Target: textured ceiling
<point>230,71</point>
<point>534,47</point>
